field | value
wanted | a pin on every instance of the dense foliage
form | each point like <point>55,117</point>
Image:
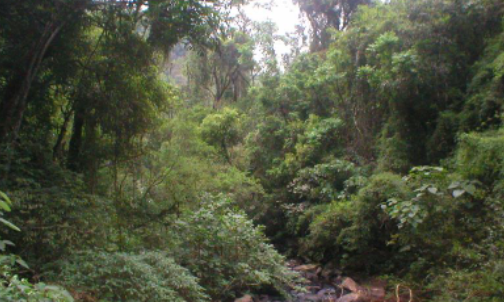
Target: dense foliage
<point>151,276</point>
<point>150,154</point>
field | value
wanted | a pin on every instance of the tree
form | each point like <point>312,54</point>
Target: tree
<point>223,72</point>
<point>326,14</point>
<point>166,21</point>
<point>38,25</point>
<point>222,130</point>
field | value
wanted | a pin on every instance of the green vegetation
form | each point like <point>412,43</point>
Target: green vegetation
<point>148,154</point>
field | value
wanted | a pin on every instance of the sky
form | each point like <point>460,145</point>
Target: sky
<point>283,12</point>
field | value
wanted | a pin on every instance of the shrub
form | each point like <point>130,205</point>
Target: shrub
<point>324,182</point>
<point>354,234</point>
<point>151,276</point>
<point>324,242</point>
<point>366,240</point>
<point>483,284</point>
<point>440,214</point>
<point>393,151</point>
<point>12,287</point>
<point>481,156</point>
<point>51,206</point>
<point>16,289</point>
<point>230,255</point>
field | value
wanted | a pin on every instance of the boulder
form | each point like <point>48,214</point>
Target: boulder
<point>310,298</point>
<point>327,274</point>
<point>306,268</point>
<point>351,285</point>
<point>313,288</point>
<point>327,292</point>
<point>246,298</point>
<point>365,294</point>
<point>350,298</point>
<point>376,293</point>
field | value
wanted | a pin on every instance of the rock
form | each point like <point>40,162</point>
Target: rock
<point>350,298</point>
<point>326,274</point>
<point>313,288</point>
<point>326,292</point>
<point>311,276</point>
<point>306,268</point>
<point>311,298</point>
<point>373,294</point>
<point>336,280</point>
<point>376,293</point>
<point>293,263</point>
<point>246,298</point>
<point>351,285</point>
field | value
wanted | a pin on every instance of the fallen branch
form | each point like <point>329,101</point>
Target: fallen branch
<point>397,293</point>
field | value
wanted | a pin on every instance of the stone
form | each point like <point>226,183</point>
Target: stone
<point>350,298</point>
<point>326,292</point>
<point>351,285</point>
<point>326,274</point>
<point>306,268</point>
<point>310,298</point>
<point>246,298</point>
<point>376,293</point>
<point>313,288</point>
<point>311,276</point>
<point>365,294</point>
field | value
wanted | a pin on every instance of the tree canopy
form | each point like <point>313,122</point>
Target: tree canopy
<point>163,151</point>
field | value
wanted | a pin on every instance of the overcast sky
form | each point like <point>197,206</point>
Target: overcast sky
<point>283,12</point>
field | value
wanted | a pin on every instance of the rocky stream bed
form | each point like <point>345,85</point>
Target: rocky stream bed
<point>328,285</point>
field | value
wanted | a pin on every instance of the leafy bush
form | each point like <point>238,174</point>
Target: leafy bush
<point>324,182</point>
<point>230,255</point>
<point>439,216</point>
<point>393,151</point>
<point>222,130</point>
<point>482,284</point>
<point>366,240</point>
<point>16,289</point>
<point>150,276</point>
<point>480,156</point>
<point>12,287</point>
<point>324,242</point>
<point>5,206</point>
<point>354,233</point>
<point>53,209</point>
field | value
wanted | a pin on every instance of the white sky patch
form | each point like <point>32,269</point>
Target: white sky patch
<point>283,13</point>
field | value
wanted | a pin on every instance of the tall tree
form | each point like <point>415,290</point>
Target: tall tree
<point>40,24</point>
<point>224,71</point>
<point>36,24</point>
<point>326,14</point>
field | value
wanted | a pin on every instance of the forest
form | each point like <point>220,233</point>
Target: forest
<point>163,150</point>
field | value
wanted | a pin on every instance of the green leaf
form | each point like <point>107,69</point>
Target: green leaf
<point>432,190</point>
<point>458,193</point>
<point>4,206</point>
<point>8,242</point>
<point>454,185</point>
<point>10,225</point>
<point>471,189</point>
<point>5,197</point>
<point>405,249</point>
<point>22,263</point>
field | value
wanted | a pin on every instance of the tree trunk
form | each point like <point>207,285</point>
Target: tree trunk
<point>15,100</point>
<point>58,147</point>
<point>76,141</point>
